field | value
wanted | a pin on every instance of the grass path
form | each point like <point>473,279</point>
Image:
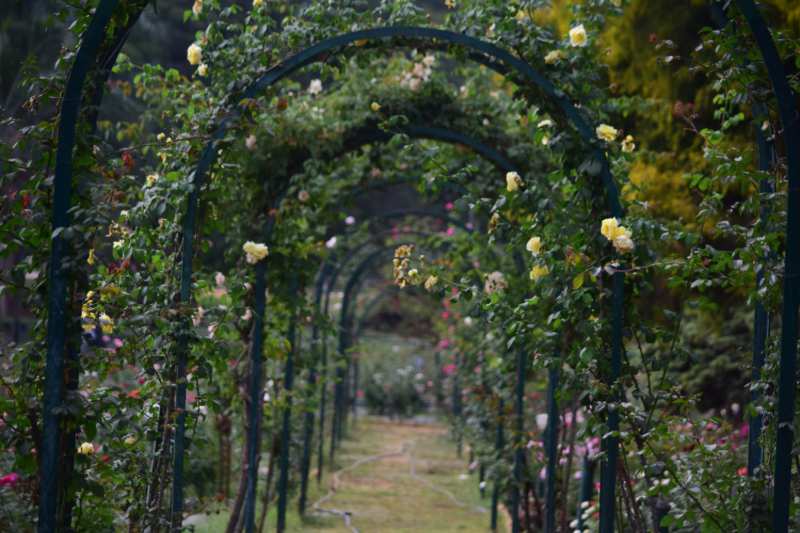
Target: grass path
<point>389,476</point>
<point>398,477</point>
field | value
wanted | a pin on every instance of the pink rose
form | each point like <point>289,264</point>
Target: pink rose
<point>9,480</point>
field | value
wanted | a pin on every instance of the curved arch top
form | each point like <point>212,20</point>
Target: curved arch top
<point>499,57</point>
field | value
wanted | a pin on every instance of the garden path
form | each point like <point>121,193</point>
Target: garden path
<point>399,476</point>
<point>389,476</point>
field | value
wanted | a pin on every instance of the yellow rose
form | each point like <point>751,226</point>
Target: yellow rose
<point>451,4</point>
<point>202,70</point>
<point>538,272</point>
<point>161,137</point>
<point>151,180</point>
<point>194,54</point>
<point>620,236</point>
<point>197,8</point>
<point>578,37</point>
<point>258,3</point>
<point>534,245</point>
<point>431,282</point>
<point>375,106</point>
<point>87,448</point>
<point>553,57</point>
<point>513,181</point>
<point>608,228</point>
<point>106,324</point>
<point>87,311</point>
<point>255,252</point>
<point>606,133</point>
<point>130,440</point>
<point>628,145</point>
<point>624,243</point>
<point>494,220</point>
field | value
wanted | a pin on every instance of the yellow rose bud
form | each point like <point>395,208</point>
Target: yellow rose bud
<point>494,220</point>
<point>628,145</point>
<point>431,282</point>
<point>375,106</point>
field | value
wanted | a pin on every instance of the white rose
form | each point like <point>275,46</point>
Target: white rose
<point>578,37</point>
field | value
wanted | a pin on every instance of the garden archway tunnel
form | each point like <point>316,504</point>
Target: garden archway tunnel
<point>58,285</point>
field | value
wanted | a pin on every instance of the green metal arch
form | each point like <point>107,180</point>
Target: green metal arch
<point>496,58</point>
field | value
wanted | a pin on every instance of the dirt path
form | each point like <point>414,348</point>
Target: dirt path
<point>398,477</point>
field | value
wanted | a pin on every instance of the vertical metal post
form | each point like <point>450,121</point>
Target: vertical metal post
<point>286,444</point>
<point>498,447</point>
<point>57,316</point>
<point>787,380</point>
<point>456,399</point>
<point>484,429</point>
<point>608,469</point>
<point>345,411</point>
<point>437,384</point>
<point>587,487</point>
<point>255,393</point>
<point>311,387</point>
<point>519,445</point>
<point>551,449</point>
<point>323,398</point>
<point>760,318</point>
<point>354,393</point>
<point>337,392</point>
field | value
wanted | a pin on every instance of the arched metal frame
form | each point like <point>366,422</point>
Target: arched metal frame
<point>787,381</point>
